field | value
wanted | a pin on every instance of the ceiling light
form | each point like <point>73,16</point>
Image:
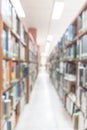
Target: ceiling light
<point>49,38</point>
<point>57,10</point>
<point>18,8</point>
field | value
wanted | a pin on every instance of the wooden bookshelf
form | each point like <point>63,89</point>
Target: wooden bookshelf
<point>15,65</point>
<point>72,55</point>
<point>32,52</point>
<point>1,72</point>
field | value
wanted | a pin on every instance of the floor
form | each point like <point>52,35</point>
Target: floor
<point>45,110</point>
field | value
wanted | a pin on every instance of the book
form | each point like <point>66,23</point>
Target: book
<point>79,48</point>
<point>73,51</point>
<point>84,20</point>
<point>16,49</point>
<point>26,70</point>
<point>78,121</point>
<point>71,32</point>
<point>17,91</point>
<point>71,98</point>
<point>4,74</point>
<point>84,39</point>
<point>13,46</point>
<point>84,102</point>
<point>21,32</point>
<point>79,23</point>
<point>5,42</point>
<point>81,74</point>
<point>22,51</point>
<point>13,72</point>
<point>9,125</point>
<point>8,72</point>
<point>86,77</point>
<point>14,19</point>
<point>71,68</point>
<point>7,107</point>
<point>17,26</point>
<point>10,45</point>
<point>17,71</point>
<point>21,70</point>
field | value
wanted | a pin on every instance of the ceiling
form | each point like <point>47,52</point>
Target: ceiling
<point>38,15</point>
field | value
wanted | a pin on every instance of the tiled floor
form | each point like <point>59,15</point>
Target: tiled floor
<point>45,111</point>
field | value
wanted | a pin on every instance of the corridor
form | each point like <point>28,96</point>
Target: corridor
<point>45,110</point>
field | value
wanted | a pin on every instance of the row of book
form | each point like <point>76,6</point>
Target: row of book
<point>69,68</point>
<point>82,47</point>
<point>10,16</point>
<point>70,34</point>
<point>81,94</point>
<point>9,100</point>
<point>82,21</point>
<point>82,75</point>
<point>70,52</point>
<point>79,123</point>
<point>13,71</point>
<point>13,102</point>
<point>10,123</point>
<point>70,103</point>
<point>78,50</point>
<point>73,97</point>
<point>63,82</point>
<point>11,46</point>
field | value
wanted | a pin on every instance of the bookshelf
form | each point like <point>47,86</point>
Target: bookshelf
<point>33,61</point>
<point>67,66</point>
<point>18,65</point>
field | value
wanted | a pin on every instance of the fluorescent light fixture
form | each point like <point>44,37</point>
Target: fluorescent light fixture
<point>18,8</point>
<point>49,38</point>
<point>57,10</point>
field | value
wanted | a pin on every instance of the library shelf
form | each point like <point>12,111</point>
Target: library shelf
<point>11,59</point>
<point>16,79</point>
<point>71,56</point>
<point>76,60</point>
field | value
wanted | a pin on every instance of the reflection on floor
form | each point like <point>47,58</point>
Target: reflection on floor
<point>45,110</point>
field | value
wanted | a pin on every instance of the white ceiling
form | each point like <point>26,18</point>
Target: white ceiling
<point>38,15</point>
